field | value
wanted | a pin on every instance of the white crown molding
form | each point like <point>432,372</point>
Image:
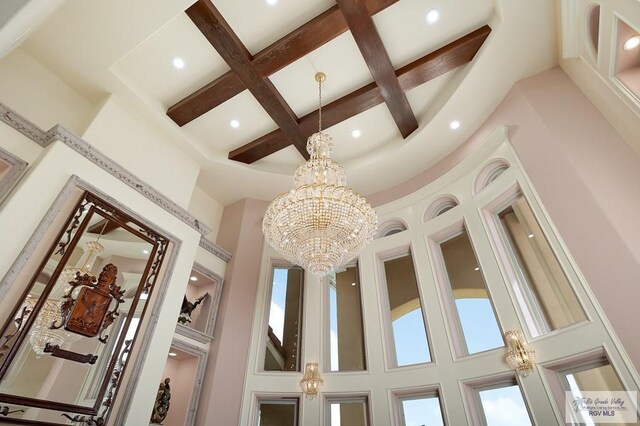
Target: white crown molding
<point>22,125</point>
<point>215,249</point>
<point>84,148</point>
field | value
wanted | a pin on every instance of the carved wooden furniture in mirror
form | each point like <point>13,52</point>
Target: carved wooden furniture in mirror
<point>65,346</point>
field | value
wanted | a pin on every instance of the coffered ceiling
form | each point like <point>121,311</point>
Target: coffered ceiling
<point>128,49</point>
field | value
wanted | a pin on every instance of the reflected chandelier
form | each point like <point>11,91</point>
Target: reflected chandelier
<point>320,224</point>
<point>41,332</point>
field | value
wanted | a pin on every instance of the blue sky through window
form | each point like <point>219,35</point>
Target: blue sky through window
<point>278,300</point>
<point>504,407</point>
<point>479,324</point>
<point>422,412</point>
<point>410,339</point>
<point>333,327</point>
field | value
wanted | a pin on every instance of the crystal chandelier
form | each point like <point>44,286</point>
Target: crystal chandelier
<point>320,224</point>
<point>41,332</point>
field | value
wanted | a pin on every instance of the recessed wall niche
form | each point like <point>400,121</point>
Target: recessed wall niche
<point>627,58</point>
<point>184,370</point>
<point>200,304</point>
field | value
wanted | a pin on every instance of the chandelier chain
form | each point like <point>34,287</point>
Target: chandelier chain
<point>320,79</point>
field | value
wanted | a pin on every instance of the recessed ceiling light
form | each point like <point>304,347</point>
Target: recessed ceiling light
<point>145,251</point>
<point>432,16</point>
<point>476,269</point>
<point>234,123</point>
<point>530,235</point>
<point>356,133</point>
<point>178,63</point>
<point>455,124</point>
<point>632,42</point>
<point>193,278</point>
<point>353,284</point>
<point>272,2</point>
<point>172,354</point>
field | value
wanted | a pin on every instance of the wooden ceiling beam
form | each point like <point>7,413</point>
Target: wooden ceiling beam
<point>103,227</point>
<point>300,42</point>
<point>418,72</point>
<point>218,32</point>
<point>377,59</point>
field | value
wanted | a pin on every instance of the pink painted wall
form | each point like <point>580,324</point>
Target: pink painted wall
<point>588,180</point>
<point>241,234</point>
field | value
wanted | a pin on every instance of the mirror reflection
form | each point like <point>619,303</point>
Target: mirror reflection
<point>71,334</point>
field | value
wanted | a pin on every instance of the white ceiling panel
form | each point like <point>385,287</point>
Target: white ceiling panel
<point>339,59</point>
<point>150,64</point>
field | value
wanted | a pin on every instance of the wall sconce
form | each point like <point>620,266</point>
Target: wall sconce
<point>519,355</point>
<point>311,381</point>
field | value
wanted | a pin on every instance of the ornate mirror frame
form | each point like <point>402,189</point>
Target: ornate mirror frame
<point>91,203</point>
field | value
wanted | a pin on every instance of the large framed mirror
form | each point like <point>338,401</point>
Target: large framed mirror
<point>64,348</point>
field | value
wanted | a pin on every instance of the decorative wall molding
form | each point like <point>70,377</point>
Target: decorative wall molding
<point>193,334</point>
<point>215,249</point>
<point>84,148</point>
<point>11,178</point>
<point>24,126</point>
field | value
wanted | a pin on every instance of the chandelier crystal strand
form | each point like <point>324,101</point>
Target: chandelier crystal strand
<point>320,224</point>
<point>50,313</point>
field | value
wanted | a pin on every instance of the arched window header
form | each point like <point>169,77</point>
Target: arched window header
<point>390,227</point>
<point>489,173</point>
<point>441,205</point>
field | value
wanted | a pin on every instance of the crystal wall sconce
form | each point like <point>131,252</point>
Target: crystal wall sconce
<point>311,381</point>
<point>519,355</point>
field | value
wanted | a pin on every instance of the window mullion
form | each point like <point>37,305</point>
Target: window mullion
<point>502,303</point>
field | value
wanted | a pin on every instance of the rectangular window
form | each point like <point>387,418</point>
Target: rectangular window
<point>471,298</point>
<point>421,410</point>
<point>282,412</point>
<point>349,412</point>
<point>504,405</point>
<point>596,377</point>
<point>346,335</point>
<point>283,335</point>
<point>543,288</point>
<point>405,310</point>
<point>592,378</point>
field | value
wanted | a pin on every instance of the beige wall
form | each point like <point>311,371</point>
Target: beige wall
<point>206,209</point>
<point>241,233</point>
<point>151,157</point>
<point>33,91</point>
